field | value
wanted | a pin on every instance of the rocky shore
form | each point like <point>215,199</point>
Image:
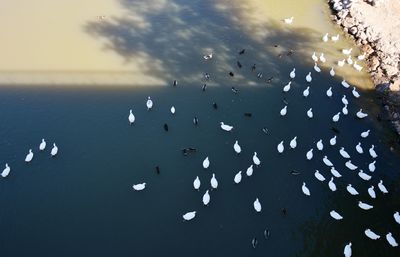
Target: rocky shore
<point>375,26</point>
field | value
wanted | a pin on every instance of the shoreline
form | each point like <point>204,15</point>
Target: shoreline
<point>373,25</point>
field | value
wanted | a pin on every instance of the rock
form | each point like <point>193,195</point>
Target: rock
<point>374,63</point>
<point>349,22</point>
<point>390,70</point>
<point>353,30</point>
<point>367,49</point>
<point>382,88</point>
<point>395,85</point>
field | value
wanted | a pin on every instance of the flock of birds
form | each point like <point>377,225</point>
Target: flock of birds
<point>335,174</point>
<point>42,146</point>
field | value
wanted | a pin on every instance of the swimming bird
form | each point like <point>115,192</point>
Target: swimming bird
<point>361,56</point>
<point>371,192</point>
<point>293,73</point>
<point>256,161</point>
<point>336,117</point>
<point>309,154</point>
<point>364,175</point>
<point>257,205</point>
<point>231,74</point>
<point>351,190</point>
<point>334,214</point>
<point>364,206</point>
<point>306,92</point>
<point>382,187</point>
<point>42,145</point>
<point>195,121</point>
<point>371,166</point>
<point>175,83</point>
<point>234,90</point>
<point>332,72</point>
<point>349,60</point>
<point>343,153</point>
<point>288,20</point>
<point>332,185</point>
<point>335,173</point>
<point>280,147</point>
<point>208,56</point>
<point>340,63</point>
<point>325,38</point>
<point>359,148</point>
<point>149,103</point>
<point>237,147</point>
<point>355,93</point>
<point>173,109</point>
<point>335,38</point>
<point>214,182</point>
<point>196,183</point>
<point>314,57</point>
<point>396,217</point>
<point>239,64</point>
<point>347,51</point>
<point>305,189</point>
<point>320,145</point>
<point>54,150</point>
<point>345,111</point>
<point>139,187</point>
<point>206,163</point>
<point>242,51</point>
<point>166,127</point>
<point>344,100</point>
<point>345,85</point>
<point>360,114</point>
<point>350,165</point>
<point>310,113</point>
<point>286,88</point>
<point>238,177</point>
<point>357,66</point>
<point>6,171</point>
<point>266,233</point>
<point>131,119</point>
<point>189,215</point>
<point>372,152</point>
<point>319,176</point>
<point>391,240</point>
<point>293,143</point>
<point>365,134</point>
<point>347,250</point>
<point>249,171</point>
<point>332,141</point>
<point>204,87</point>
<point>308,77</point>
<point>283,111</point>
<point>316,68</point>
<point>370,234</point>
<point>322,57</point>
<point>29,156</point>
<point>206,198</point>
<point>215,106</point>
<point>329,92</point>
<point>226,127</point>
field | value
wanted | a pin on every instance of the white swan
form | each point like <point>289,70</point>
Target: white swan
<point>347,51</point>
<point>305,189</point>
<point>206,163</point>
<point>6,171</point>
<point>361,115</point>
<point>293,143</point>
<point>310,113</point>
<point>396,217</point>
<point>286,88</point>
<point>355,93</point>
<point>332,72</point>
<point>280,147</point>
<point>371,166</point>
<point>189,215</point>
<point>249,171</point>
<point>340,63</point>
<point>370,234</point>
<point>327,161</point>
<point>336,117</point>
<point>283,111</point>
<point>320,145</point>
<point>225,127</point>
<point>329,92</point>
<point>149,103</point>
<point>365,134</point>
<point>335,172</point>
<point>332,185</point>
<point>344,100</point>
<point>309,154</point>
<point>306,92</point>
<point>319,176</point>
<point>139,187</point>
<point>334,214</point>
<point>332,141</point>
<point>325,38</point>
<point>206,198</point>
<point>391,240</point>
<point>382,187</point>
<point>214,182</point>
<point>364,206</point>
<point>316,68</point>
<point>131,117</point>
<point>293,73</point>
<point>322,58</point>
<point>343,153</point>
<point>257,205</point>
<point>349,60</point>
<point>351,190</point>
<point>359,148</point>
<point>314,57</point>
<point>196,183</point>
<point>350,165</point>
<point>372,152</point>
<point>364,175</point>
<point>237,147</point>
<point>54,150</point>
<point>288,20</point>
<point>371,192</point>
<point>345,111</point>
<point>335,38</point>
<point>308,77</point>
<point>256,161</point>
<point>347,250</point>
<point>42,145</point>
<point>345,84</point>
<point>29,156</point>
<point>357,66</point>
<point>173,109</point>
<point>361,56</point>
<point>238,177</point>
